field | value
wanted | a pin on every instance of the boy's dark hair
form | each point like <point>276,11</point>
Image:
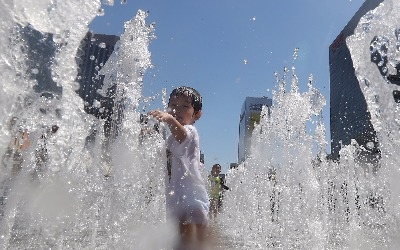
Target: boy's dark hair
<point>190,92</point>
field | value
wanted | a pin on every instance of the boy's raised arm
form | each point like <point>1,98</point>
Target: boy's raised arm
<point>177,129</point>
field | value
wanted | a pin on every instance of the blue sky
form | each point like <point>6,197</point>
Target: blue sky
<point>230,49</point>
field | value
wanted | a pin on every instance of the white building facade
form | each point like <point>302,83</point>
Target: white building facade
<point>249,117</point>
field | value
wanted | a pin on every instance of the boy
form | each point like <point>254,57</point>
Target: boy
<point>186,196</point>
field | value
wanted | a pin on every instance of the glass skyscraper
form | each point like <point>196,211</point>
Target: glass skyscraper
<point>93,53</point>
<point>349,116</point>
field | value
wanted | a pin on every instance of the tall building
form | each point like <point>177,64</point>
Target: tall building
<point>349,116</point>
<point>233,165</point>
<point>40,50</point>
<point>249,116</point>
<point>93,53</point>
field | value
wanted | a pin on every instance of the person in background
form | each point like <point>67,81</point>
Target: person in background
<point>217,188</point>
<point>187,201</point>
<point>41,153</point>
<point>18,143</point>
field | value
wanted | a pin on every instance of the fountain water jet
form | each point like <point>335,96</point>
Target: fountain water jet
<point>287,198</point>
<point>283,196</point>
<point>62,199</point>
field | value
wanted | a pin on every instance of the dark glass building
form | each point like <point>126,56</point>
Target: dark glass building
<point>93,53</point>
<point>349,116</point>
<point>40,50</point>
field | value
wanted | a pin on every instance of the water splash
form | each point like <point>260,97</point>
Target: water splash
<point>277,186</point>
<point>65,194</point>
<point>285,197</point>
<point>373,70</point>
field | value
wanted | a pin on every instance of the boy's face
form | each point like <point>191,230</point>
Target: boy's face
<point>182,109</point>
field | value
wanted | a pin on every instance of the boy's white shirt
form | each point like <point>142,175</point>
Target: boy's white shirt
<point>186,185</point>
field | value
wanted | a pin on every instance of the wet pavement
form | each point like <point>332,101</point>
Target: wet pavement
<point>220,240</point>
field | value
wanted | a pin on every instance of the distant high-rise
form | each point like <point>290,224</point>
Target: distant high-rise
<point>40,50</point>
<point>94,52</point>
<point>249,116</point>
<point>233,165</point>
<point>349,116</point>
<point>92,55</point>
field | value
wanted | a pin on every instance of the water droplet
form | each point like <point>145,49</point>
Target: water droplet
<point>100,12</point>
<point>370,145</point>
<point>96,104</point>
<point>295,53</point>
<point>92,57</point>
<point>76,86</point>
<point>108,2</point>
<point>124,1</point>
<point>100,92</point>
<point>245,61</point>
<point>102,45</point>
<point>58,38</point>
<point>35,71</point>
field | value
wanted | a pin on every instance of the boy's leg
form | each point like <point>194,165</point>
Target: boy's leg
<point>186,231</point>
<point>201,233</point>
<point>193,236</point>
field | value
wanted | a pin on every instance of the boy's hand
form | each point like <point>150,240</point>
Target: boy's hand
<point>160,115</point>
<point>177,129</point>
